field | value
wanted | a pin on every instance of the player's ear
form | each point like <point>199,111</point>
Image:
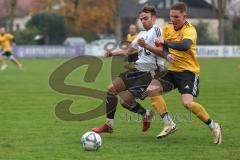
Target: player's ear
<point>154,18</point>
<point>185,14</point>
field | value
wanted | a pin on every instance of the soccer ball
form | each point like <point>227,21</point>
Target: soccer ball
<point>91,141</point>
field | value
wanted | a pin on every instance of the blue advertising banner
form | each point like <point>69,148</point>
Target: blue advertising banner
<point>218,51</point>
<point>48,51</point>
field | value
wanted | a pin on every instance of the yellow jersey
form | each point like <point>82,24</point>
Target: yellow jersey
<point>130,37</point>
<point>5,42</point>
<point>184,60</point>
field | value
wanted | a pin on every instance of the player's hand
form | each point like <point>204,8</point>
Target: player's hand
<point>108,54</point>
<point>170,58</point>
<point>159,41</point>
<point>158,44</point>
<point>142,43</point>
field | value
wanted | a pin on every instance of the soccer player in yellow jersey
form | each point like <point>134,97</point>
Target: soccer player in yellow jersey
<point>179,48</point>
<point>5,43</point>
<point>132,33</point>
<point>131,57</point>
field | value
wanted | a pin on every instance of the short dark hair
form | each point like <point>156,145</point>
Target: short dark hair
<point>180,6</point>
<point>148,9</point>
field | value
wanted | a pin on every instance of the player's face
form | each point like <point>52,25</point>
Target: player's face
<point>132,29</point>
<point>177,18</point>
<point>147,20</point>
<point>2,30</point>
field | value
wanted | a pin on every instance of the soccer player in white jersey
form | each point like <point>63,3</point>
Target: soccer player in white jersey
<point>134,82</point>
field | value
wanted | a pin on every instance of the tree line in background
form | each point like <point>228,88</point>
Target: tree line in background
<point>86,18</point>
<point>89,18</point>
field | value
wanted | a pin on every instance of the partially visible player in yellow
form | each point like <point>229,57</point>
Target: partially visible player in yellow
<point>5,42</point>
<point>132,33</point>
<point>179,48</point>
<point>132,57</point>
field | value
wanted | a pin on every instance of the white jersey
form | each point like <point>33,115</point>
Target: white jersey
<point>148,61</point>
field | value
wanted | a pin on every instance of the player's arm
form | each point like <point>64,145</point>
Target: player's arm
<point>135,51</point>
<point>167,56</point>
<point>156,50</point>
<point>12,39</point>
<point>183,45</point>
<point>14,42</point>
<point>131,49</point>
<point>189,36</point>
<point>120,52</point>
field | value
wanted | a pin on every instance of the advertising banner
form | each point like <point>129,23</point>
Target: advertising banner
<point>48,51</point>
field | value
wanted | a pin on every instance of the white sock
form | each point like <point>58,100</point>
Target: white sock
<point>167,119</point>
<point>109,122</point>
<point>212,125</point>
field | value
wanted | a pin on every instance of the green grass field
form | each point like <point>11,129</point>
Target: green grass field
<point>30,130</point>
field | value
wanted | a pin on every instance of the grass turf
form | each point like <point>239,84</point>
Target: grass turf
<point>30,130</point>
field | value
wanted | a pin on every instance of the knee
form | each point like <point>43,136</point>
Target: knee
<point>154,90</point>
<point>187,104</point>
<point>112,90</point>
<point>126,103</point>
<point>123,103</point>
<point>11,57</point>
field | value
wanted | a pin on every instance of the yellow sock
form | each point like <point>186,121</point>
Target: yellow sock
<point>159,104</point>
<point>199,111</point>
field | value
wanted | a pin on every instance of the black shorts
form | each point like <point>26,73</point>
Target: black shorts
<point>185,82</point>
<point>132,57</point>
<point>7,54</point>
<point>136,82</point>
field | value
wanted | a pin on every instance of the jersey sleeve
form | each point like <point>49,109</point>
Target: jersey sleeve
<point>10,36</point>
<point>154,34</point>
<point>158,32</point>
<point>190,33</point>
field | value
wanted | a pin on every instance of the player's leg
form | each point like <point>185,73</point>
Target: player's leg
<point>155,89</point>
<point>114,88</point>
<point>202,114</point>
<point>136,82</point>
<point>15,61</point>
<point>129,102</point>
<point>188,87</point>
<point>4,63</point>
<point>125,81</point>
<point>195,108</point>
<point>138,89</point>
